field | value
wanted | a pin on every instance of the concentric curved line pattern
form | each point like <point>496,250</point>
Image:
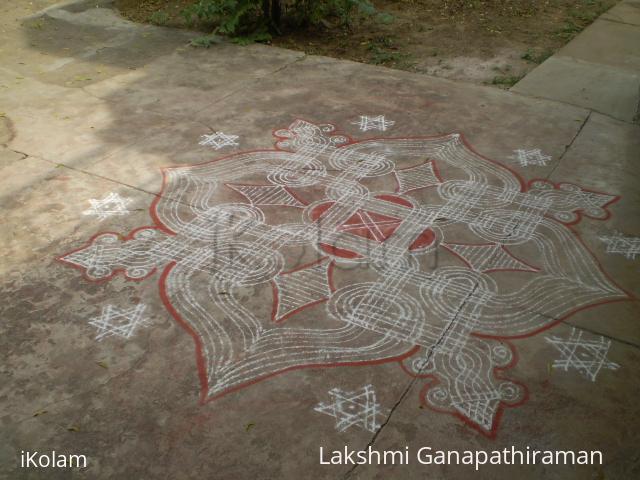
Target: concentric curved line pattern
<point>237,228</point>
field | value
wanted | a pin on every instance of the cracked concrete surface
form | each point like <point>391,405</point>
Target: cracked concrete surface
<point>91,104</point>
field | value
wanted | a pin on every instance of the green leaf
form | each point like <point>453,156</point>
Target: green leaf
<point>205,41</point>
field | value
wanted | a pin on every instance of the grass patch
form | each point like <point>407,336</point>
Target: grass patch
<point>533,56</point>
<point>383,51</point>
<point>160,18</point>
<point>407,34</point>
<point>506,81</point>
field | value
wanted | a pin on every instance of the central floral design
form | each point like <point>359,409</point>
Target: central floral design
<point>371,226</point>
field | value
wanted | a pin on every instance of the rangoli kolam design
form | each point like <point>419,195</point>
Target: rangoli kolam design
<point>363,252</point>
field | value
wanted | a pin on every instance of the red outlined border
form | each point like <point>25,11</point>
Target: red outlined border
<point>502,247</point>
<point>285,188</point>
<point>497,373</point>
<point>204,398</point>
<point>629,297</point>
<point>92,239</point>
<point>436,172</point>
<point>578,211</point>
<point>275,290</point>
<point>200,359</point>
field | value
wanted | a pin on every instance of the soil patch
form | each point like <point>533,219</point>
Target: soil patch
<point>493,42</point>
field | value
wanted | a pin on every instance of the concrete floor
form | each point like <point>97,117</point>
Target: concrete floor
<point>599,69</point>
<point>465,279</point>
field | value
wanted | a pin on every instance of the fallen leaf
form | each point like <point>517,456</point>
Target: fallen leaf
<point>40,412</point>
<point>73,428</point>
<point>249,426</point>
<point>102,364</point>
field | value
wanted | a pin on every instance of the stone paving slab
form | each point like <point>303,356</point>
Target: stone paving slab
<point>627,11</point>
<point>607,43</point>
<point>602,88</point>
<point>78,48</point>
<point>189,81</point>
<point>191,347</point>
<point>40,127</point>
<point>599,69</point>
<point>52,329</point>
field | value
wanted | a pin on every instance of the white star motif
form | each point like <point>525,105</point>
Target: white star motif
<point>121,322</point>
<point>586,356</point>
<point>111,204</point>
<point>377,122</point>
<point>359,408</point>
<point>618,243</point>
<point>218,140</point>
<point>530,157</point>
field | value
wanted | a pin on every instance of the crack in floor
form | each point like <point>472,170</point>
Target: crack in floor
<point>415,379</point>
<point>568,147</point>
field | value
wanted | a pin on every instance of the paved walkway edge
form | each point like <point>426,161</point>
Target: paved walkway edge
<point>598,70</point>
